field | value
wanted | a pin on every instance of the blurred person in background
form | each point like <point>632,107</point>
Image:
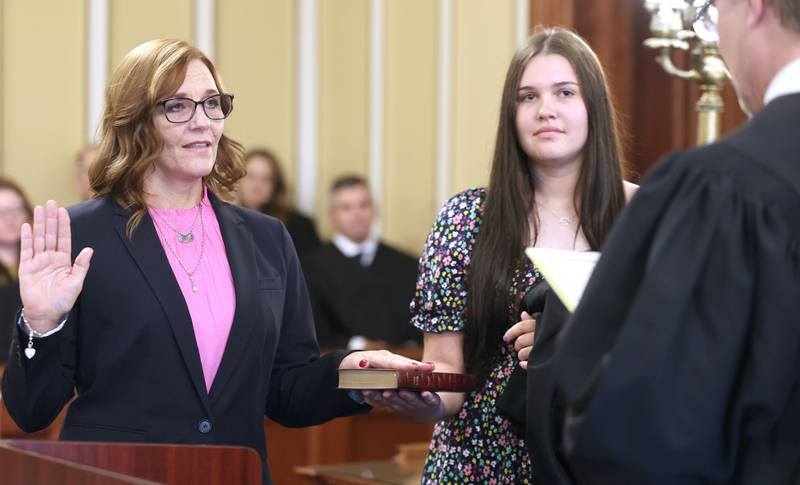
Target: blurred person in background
<point>15,210</point>
<point>263,189</point>
<point>83,162</point>
<point>360,286</point>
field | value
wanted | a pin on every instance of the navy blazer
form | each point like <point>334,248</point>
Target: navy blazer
<point>129,349</point>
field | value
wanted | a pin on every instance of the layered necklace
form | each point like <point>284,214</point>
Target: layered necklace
<point>189,236</point>
<point>185,239</point>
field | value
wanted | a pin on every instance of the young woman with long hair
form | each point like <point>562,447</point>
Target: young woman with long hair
<point>556,181</point>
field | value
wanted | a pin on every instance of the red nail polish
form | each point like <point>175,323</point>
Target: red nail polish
<point>362,363</point>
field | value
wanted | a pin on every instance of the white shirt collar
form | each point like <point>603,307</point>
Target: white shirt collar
<point>349,248</point>
<point>786,81</point>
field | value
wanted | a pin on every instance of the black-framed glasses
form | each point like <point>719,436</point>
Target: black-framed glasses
<point>181,110</point>
<point>705,22</point>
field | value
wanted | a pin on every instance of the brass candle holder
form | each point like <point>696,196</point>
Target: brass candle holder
<point>674,25</point>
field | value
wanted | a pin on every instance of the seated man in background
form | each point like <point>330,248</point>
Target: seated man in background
<point>360,288</point>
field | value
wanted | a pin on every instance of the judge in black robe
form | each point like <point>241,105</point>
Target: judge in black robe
<point>372,301</point>
<point>681,365</point>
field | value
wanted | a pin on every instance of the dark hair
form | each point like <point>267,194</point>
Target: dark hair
<point>130,142</point>
<point>347,181</point>
<point>277,205</point>
<point>789,14</point>
<point>504,233</point>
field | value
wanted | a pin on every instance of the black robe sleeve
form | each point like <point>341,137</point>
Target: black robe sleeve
<point>682,362</point>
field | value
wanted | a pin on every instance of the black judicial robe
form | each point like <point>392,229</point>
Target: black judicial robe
<point>303,233</point>
<point>373,301</point>
<point>682,363</point>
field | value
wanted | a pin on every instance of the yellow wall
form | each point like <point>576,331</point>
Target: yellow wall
<point>344,94</point>
<point>43,90</point>
<point>134,22</point>
<point>43,95</point>
<point>256,56</point>
<point>481,61</point>
<point>409,183</point>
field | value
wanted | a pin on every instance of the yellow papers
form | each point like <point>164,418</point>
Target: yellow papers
<point>567,272</point>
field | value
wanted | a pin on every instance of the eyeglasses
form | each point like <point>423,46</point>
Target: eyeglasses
<point>181,110</point>
<point>705,23</point>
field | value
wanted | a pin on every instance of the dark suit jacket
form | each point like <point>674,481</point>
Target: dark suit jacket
<point>349,299</point>
<point>130,352</point>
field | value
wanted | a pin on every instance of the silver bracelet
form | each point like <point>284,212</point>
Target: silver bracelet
<point>29,350</point>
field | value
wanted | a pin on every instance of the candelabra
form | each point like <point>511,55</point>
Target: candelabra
<point>690,25</point>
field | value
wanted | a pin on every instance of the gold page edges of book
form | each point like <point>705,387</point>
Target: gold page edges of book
<point>567,272</point>
<point>398,379</point>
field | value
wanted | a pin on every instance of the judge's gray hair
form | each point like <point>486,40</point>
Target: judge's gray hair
<point>789,14</point>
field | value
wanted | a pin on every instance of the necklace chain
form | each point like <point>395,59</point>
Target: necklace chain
<point>562,220</point>
<point>189,236</point>
<point>174,251</point>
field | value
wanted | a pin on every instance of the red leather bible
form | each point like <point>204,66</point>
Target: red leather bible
<point>401,379</point>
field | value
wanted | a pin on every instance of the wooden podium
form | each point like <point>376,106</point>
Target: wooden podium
<point>80,463</point>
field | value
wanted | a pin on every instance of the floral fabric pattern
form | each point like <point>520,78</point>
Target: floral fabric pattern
<point>477,445</point>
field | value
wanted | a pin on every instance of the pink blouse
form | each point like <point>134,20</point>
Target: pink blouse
<point>213,300</point>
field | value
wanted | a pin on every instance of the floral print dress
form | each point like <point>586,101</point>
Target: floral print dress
<point>477,444</point>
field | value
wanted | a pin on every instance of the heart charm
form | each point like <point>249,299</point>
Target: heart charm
<point>30,352</point>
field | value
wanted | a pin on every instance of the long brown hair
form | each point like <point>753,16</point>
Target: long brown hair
<point>277,206</point>
<point>130,143</point>
<point>504,233</point>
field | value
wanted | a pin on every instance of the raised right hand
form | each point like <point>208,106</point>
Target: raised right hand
<point>49,284</point>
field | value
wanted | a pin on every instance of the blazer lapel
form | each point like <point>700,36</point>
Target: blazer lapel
<point>240,249</point>
<point>149,255</point>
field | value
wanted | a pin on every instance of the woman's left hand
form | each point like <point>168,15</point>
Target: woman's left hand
<point>383,359</point>
<point>422,407</point>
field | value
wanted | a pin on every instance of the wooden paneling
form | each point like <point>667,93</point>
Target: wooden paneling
<point>373,436</point>
<point>144,463</point>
